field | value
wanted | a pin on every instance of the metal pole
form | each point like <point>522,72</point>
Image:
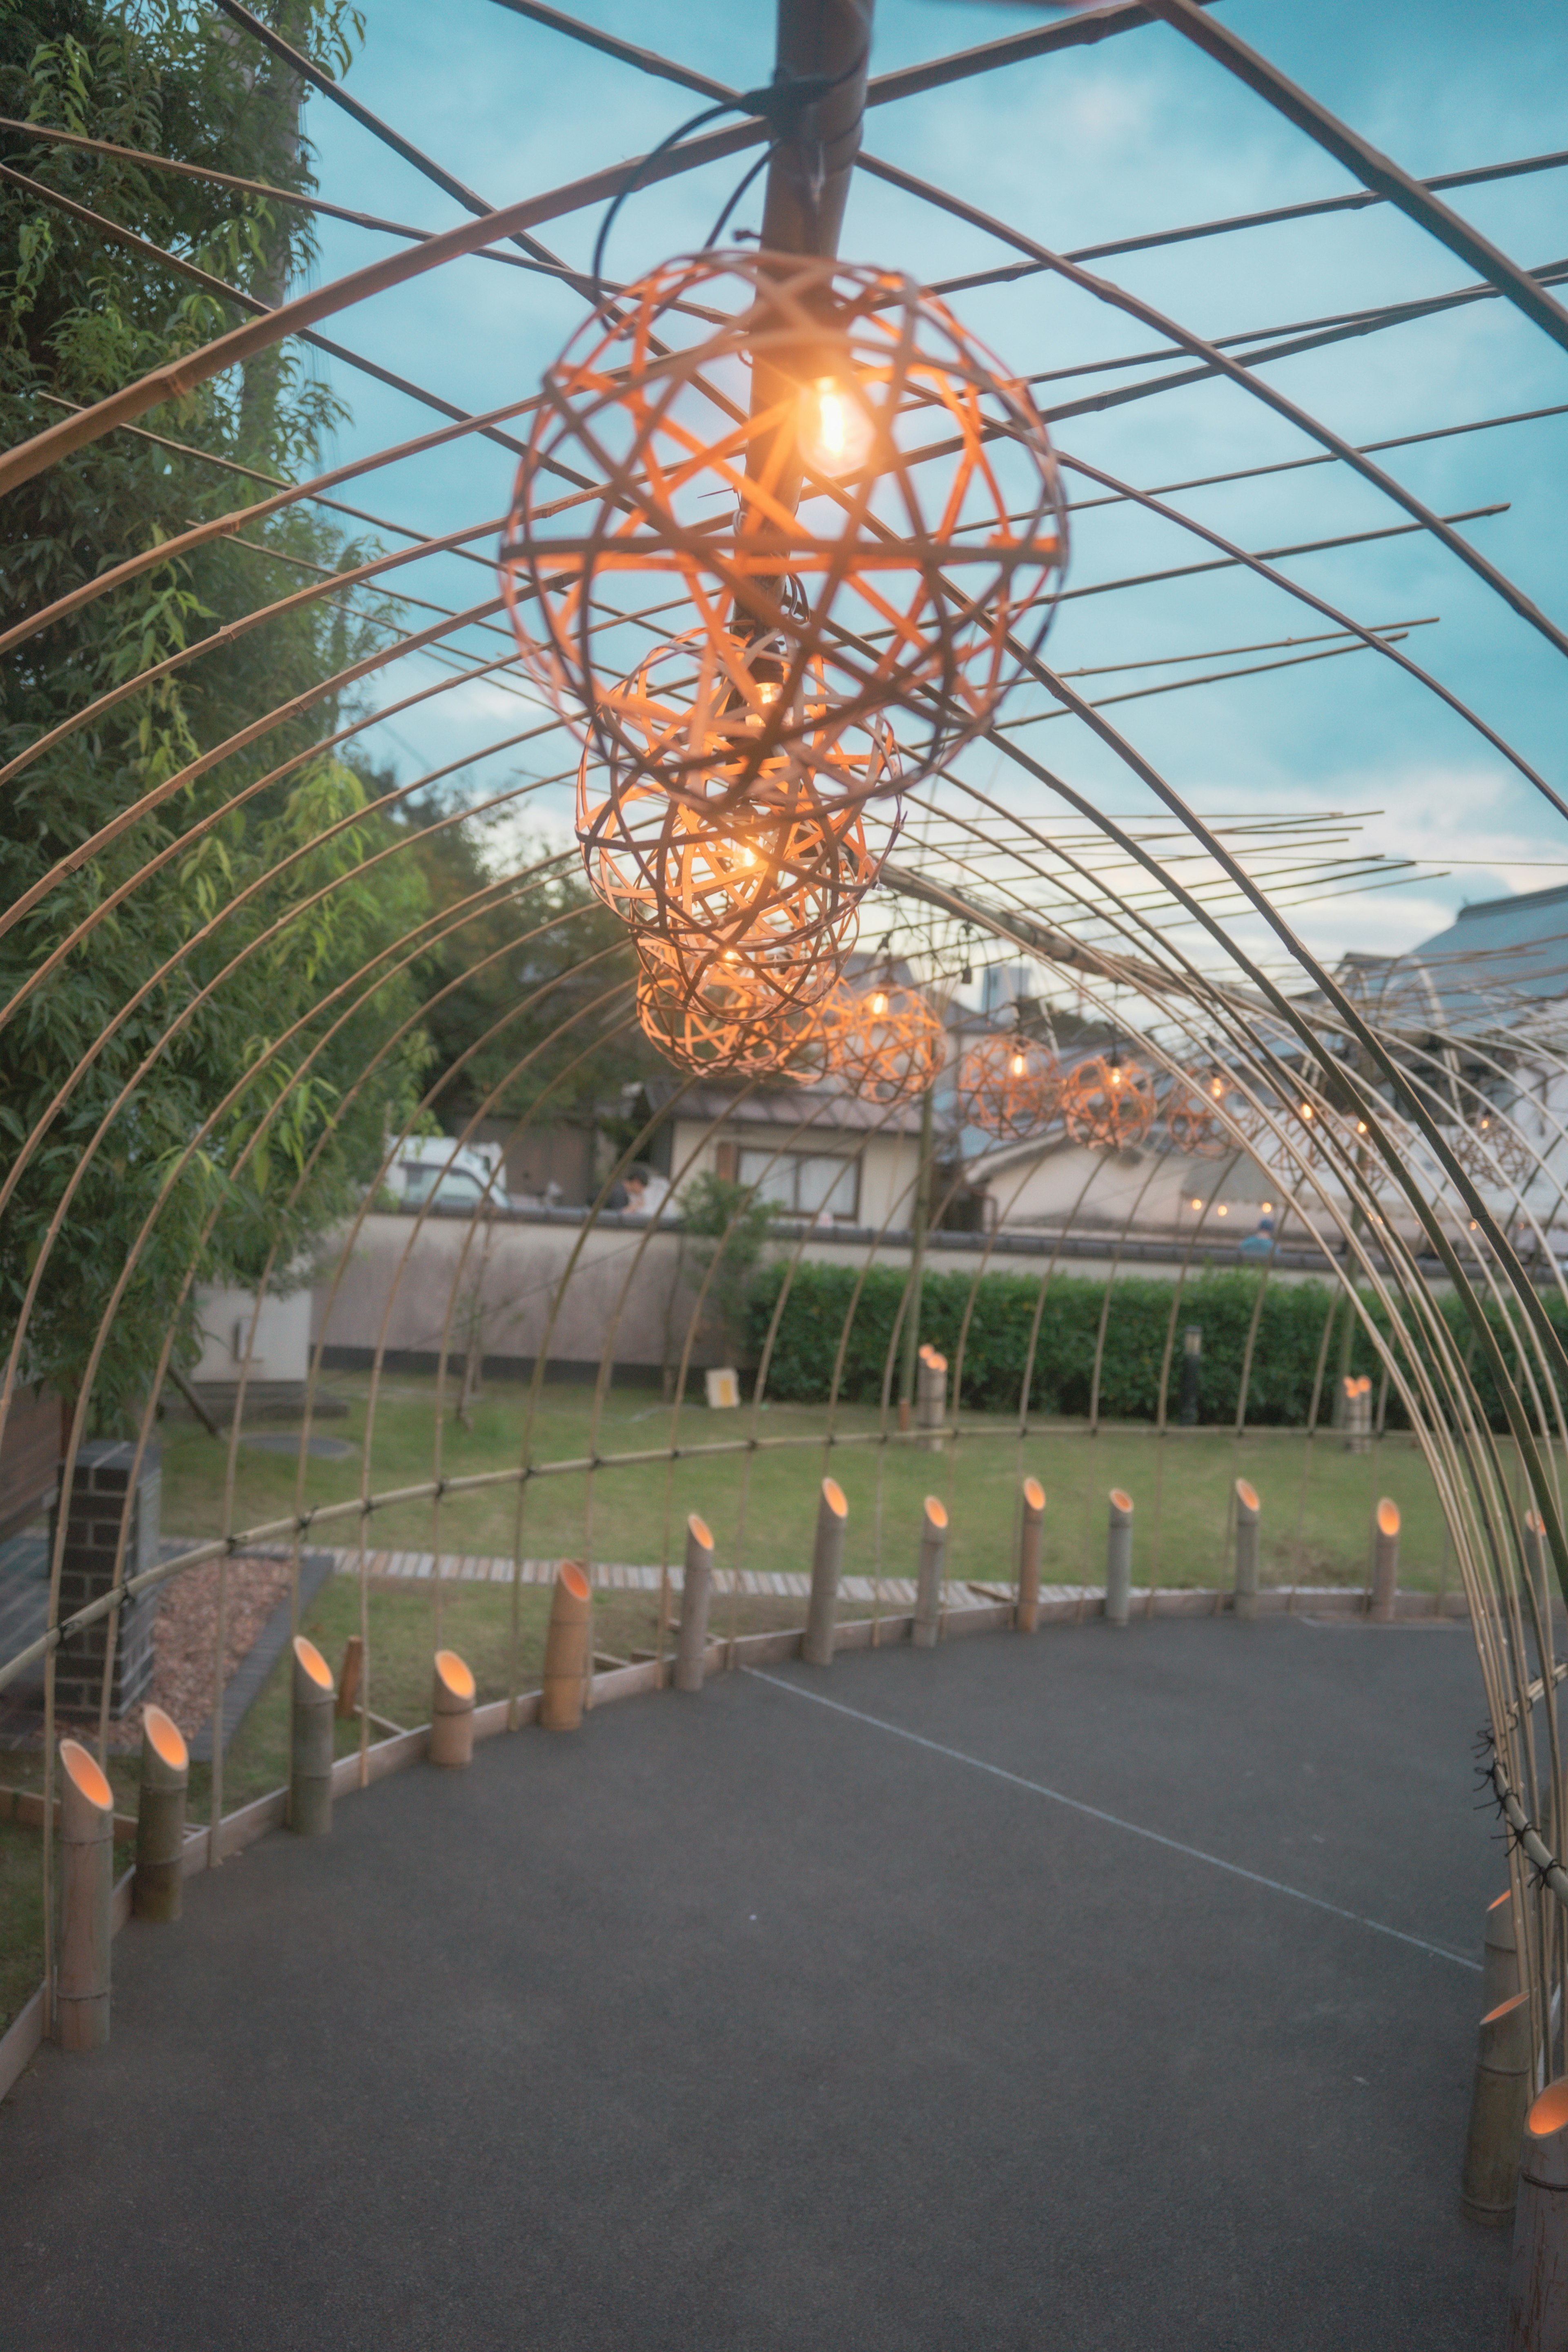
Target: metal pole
<point>826,1560</point>
<point>1384,1561</point>
<point>691,1648</point>
<point>1248,1510</point>
<point>928,1577</point>
<point>1027,1616</point>
<point>1119,1558</point>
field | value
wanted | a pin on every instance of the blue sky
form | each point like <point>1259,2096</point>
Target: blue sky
<point>1136,133</point>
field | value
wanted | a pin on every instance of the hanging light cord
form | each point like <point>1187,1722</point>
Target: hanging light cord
<point>781,104</point>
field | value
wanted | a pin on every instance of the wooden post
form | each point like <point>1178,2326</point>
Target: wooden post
<point>1538,2279</point>
<point>158,1887</point>
<point>349,1674</point>
<point>566,1650</point>
<point>1499,1955</point>
<point>310,1743</point>
<point>931,1401</point>
<point>1027,1616</point>
<point>927,1576</point>
<point>1384,1561</point>
<point>1119,1559</point>
<point>1246,1543</point>
<point>1499,2097</point>
<point>452,1711</point>
<point>826,1560</point>
<point>87,1883</point>
<point>691,1643</point>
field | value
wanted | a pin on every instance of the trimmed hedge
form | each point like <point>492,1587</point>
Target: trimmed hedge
<point>1284,1358</point>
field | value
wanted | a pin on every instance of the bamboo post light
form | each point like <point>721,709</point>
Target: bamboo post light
<point>451,1710</point>
<point>156,1891</point>
<point>930,1401</point>
<point>1119,1559</point>
<point>1384,1561</point>
<point>1247,1535</point>
<point>928,1575</point>
<point>1358,1414</point>
<point>87,1883</point>
<point>1030,1532</point>
<point>311,1742</point>
<point>1538,2276</point>
<point>826,1560</point>
<point>1499,1954</point>
<point>691,1643</point>
<point>1500,2096</point>
<point>566,1650</point>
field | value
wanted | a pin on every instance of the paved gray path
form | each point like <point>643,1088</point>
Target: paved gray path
<point>744,2023</point>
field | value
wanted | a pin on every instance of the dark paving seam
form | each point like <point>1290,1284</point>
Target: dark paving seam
<point>244,1687</point>
<point>1095,1812</point>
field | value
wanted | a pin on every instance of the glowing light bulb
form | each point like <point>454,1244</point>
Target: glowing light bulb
<point>878,1005</point>
<point>1018,1066</point>
<point>1306,1110</point>
<point>1269,1208</point>
<point>835,430</point>
<point>768,691</point>
<point>1222,1211</point>
<point>1197,1204</point>
<point>1116,1078</point>
<point>1216,1088</point>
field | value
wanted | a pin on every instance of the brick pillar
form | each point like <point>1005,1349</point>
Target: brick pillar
<point>98,1504</point>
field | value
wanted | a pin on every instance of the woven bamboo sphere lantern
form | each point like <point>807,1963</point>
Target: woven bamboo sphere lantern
<point>728,1022</point>
<point>1108,1102</point>
<point>883,1042</point>
<point>1192,1118</point>
<point>1007,1086</point>
<point>795,449</point>
<point>778,877</point>
<point>1489,1148</point>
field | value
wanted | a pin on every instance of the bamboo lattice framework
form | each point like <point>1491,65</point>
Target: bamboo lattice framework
<point>1414,1157</point>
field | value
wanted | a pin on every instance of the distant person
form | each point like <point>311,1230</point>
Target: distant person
<point>1261,1242</point>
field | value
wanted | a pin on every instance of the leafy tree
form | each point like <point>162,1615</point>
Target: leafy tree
<point>80,314</point>
<point>729,1225</point>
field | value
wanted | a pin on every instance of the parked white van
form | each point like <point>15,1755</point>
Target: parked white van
<point>431,1172</point>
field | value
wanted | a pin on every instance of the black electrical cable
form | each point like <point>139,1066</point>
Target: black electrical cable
<point>780,105</point>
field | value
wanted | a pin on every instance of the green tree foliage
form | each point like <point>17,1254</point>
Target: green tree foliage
<point>730,1225</point>
<point>1290,1335</point>
<point>542,933</point>
<point>283,869</point>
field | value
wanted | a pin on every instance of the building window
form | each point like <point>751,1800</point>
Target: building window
<point>802,1184</point>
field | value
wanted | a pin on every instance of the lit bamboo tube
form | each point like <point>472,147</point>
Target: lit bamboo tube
<point>927,1576</point>
<point>825,1563</point>
<point>930,1401</point>
<point>158,1887</point>
<point>1538,2277</point>
<point>1499,1955</point>
<point>691,1646</point>
<point>451,1711</point>
<point>1029,1535</point>
<point>311,1742</point>
<point>1247,1534</point>
<point>1500,2096</point>
<point>566,1650</point>
<point>1119,1559</point>
<point>87,1885</point>
<point>1384,1561</point>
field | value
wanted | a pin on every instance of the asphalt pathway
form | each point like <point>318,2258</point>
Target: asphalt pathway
<point>1104,1990</point>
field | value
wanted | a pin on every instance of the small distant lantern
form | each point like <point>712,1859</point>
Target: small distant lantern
<point>1007,1086</point>
<point>1108,1102</point>
<point>884,1042</point>
<point>1192,1118</point>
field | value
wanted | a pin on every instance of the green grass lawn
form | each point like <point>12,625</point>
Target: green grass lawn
<point>762,1509</point>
